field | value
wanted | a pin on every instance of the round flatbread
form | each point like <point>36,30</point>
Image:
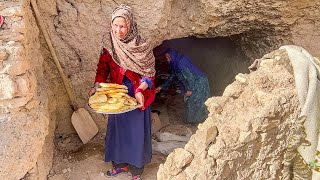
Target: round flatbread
<point>113,85</point>
<point>98,98</point>
<point>117,95</point>
<point>132,101</point>
<point>114,91</point>
<point>112,98</point>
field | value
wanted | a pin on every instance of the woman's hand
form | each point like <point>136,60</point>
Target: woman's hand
<point>140,98</point>
<point>158,89</point>
<point>188,93</point>
<point>92,91</point>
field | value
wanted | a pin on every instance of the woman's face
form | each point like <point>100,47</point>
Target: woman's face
<point>119,27</point>
<point>168,57</point>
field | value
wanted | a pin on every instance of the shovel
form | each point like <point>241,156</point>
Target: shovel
<point>81,119</point>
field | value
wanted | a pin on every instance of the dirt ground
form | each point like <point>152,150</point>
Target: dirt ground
<point>75,161</point>
<point>86,162</point>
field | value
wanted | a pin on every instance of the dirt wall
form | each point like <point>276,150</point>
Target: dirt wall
<point>23,102</point>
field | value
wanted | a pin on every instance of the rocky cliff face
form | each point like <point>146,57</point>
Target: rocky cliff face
<point>29,80</point>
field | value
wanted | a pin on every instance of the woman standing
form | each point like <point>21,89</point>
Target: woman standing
<point>193,83</point>
<point>128,60</point>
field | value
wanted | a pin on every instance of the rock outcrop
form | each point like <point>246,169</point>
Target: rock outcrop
<point>247,133</point>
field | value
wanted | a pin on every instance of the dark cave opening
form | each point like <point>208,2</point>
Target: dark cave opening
<point>220,58</point>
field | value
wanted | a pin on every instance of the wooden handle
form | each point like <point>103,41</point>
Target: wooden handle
<point>53,53</point>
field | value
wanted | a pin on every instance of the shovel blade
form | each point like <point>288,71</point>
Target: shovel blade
<point>84,125</point>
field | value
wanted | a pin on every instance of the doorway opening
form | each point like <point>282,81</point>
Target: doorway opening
<point>221,59</point>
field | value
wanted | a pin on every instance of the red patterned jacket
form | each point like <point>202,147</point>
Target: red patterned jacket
<point>109,71</point>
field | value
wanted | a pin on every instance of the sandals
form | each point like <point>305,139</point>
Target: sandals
<point>115,171</point>
<point>137,177</point>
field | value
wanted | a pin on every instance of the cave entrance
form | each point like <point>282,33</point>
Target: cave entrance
<point>220,58</point>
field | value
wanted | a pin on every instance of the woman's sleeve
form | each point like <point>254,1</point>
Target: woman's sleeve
<point>187,78</point>
<point>148,80</point>
<point>103,68</point>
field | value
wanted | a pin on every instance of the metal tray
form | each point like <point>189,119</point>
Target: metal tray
<point>103,112</point>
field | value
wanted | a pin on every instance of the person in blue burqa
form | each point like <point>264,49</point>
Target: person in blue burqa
<point>192,82</point>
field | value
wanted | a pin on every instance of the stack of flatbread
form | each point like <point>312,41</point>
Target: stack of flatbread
<point>112,98</point>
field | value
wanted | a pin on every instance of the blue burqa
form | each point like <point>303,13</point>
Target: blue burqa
<point>190,78</point>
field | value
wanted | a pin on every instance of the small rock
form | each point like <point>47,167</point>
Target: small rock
<point>156,123</point>
<point>3,55</point>
<point>190,18</point>
<point>67,141</point>
<point>268,62</point>
<point>177,160</point>
<point>166,148</point>
<point>246,137</point>
<point>62,145</point>
<point>64,171</point>
<point>166,136</point>
<point>18,67</point>
<point>10,43</point>
<point>240,77</point>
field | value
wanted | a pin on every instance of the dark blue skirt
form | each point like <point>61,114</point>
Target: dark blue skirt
<point>128,137</point>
